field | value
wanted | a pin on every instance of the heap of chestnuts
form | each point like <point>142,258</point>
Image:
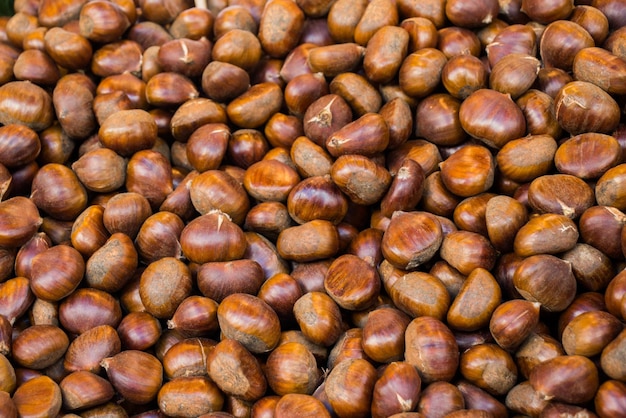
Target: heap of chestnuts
<point>313,208</point>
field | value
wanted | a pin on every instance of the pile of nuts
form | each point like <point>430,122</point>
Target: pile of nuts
<point>313,208</point>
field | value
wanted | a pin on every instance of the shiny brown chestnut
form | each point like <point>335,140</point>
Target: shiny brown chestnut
<point>227,240</point>
<point>215,189</point>
<point>432,349</point>
<point>492,117</point>
<point>231,358</point>
<point>22,219</point>
<point>125,212</point>
<point>56,272</point>
<point>137,375</point>
<point>548,379</point>
<point>87,308</point>
<point>57,191</point>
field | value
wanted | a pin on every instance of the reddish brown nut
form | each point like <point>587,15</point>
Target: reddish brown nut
<point>367,135</point>
<point>524,159</point>
<point>236,371</point>
<point>383,334</point>
<point>411,239</point>
<point>128,131</point>
<point>292,368</point>
<point>466,251</point>
<point>250,321</point>
<point>360,178</point>
<point>514,74</point>
<point>608,190</point>
<point>194,114</point>
<point>381,62</point>
<point>214,190</point>
<point>610,398</point>
<point>25,103</point>
<point>339,382</point>
<point>39,346</point>
<point>358,92</point>
<point>87,308</point>
<point>546,279</point>
<point>522,398</point>
<point>571,106</point>
<point>319,318</point>
<point>456,169</point>
<point>136,375</point>
<point>57,191</point>
<point>87,350</point>
<point>563,194</point>
<point>432,349</point>
<point>226,239</point>
<point>420,294</point>
<point>41,393</point>
<point>588,333</point>
<point>163,285</point>
<point>83,389</point>
<point>590,275</point>
<point>103,22</point>
<point>611,358</point>
<point>56,272</point>
<point>376,15</point>
<point>280,27</point>
<point>475,303</point>
<point>190,396</point>
<point>255,106</point>
<point>22,219</point>
<point>169,89</point>
<point>561,40</point>
<point>571,379</point>
<point>538,109</point>
<point>348,293</point>
<point>489,367</point>
<point>112,265</point>
<point>270,180</point>
<point>313,240</point>
<point>513,321</point>
<point>539,235</point>
<point>420,72</point>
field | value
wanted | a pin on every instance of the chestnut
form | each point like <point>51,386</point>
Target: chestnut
<point>230,359</point>
<point>342,379</point>
<point>21,219</point>
<point>492,117</point>
<point>39,346</point>
<point>136,375</point>
<point>292,368</point>
<point>250,321</point>
<point>183,356</point>
<point>189,396</point>
<point>227,240</point>
<point>56,272</point>
<point>319,317</point>
<point>548,379</point>
<point>349,293</point>
<point>474,305</point>
<point>27,104</point>
<point>41,394</point>
<point>432,349</point>
<point>87,308</point>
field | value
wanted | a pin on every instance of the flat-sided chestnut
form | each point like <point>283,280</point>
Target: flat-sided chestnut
<point>236,371</point>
